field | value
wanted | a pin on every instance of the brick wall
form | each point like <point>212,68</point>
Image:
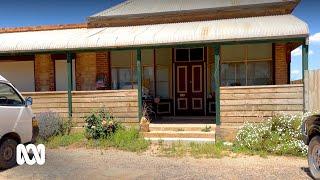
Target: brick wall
<point>281,64</point>
<point>86,71</point>
<point>44,73</point>
<point>103,67</point>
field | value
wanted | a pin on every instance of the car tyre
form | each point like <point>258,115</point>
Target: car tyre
<point>8,153</point>
<point>314,157</point>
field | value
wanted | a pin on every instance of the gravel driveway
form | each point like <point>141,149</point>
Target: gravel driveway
<point>112,164</point>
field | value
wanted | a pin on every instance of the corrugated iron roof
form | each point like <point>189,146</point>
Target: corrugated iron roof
<point>134,7</point>
<point>254,28</point>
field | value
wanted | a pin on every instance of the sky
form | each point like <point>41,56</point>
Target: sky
<point>16,13</point>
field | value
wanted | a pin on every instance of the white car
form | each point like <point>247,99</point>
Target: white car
<point>17,123</point>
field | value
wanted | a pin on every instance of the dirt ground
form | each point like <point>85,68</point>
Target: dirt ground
<point>113,164</point>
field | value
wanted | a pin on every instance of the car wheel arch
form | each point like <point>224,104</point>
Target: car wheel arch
<point>11,135</point>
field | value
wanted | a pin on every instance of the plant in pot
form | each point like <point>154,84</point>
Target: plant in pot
<point>145,120</point>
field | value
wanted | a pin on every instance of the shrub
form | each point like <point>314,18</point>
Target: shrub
<point>100,125</point>
<point>52,124</point>
<point>279,135</point>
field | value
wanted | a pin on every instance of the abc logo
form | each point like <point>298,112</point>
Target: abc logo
<point>38,154</point>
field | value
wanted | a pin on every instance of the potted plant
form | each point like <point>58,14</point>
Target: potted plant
<point>145,120</point>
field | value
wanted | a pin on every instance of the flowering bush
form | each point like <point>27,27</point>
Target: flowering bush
<point>278,135</point>
<point>100,125</point>
<point>51,124</point>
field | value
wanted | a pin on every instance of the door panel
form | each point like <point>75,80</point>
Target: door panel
<point>182,79</point>
<point>189,88</point>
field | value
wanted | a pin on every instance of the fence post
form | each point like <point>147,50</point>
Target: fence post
<point>70,86</point>
<point>139,81</point>
<point>305,64</point>
<point>216,49</point>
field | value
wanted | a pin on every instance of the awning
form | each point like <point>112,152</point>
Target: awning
<point>241,29</point>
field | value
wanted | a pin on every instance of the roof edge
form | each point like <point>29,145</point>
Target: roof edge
<point>287,2</point>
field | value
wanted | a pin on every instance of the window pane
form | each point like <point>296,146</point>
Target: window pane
<point>147,57</point>
<point>164,56</point>
<point>196,54</point>
<point>240,75</point>
<point>228,74</point>
<point>8,97</point>
<point>124,79</point>
<point>121,58</point>
<point>182,54</point>
<point>259,51</point>
<point>163,89</point>
<point>233,53</point>
<point>114,76</point>
<point>163,82</point>
<point>121,78</point>
<point>259,73</point>
<point>148,81</point>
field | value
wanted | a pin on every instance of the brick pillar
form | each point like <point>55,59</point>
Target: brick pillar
<point>103,67</point>
<point>85,71</point>
<point>281,65</point>
<point>44,73</point>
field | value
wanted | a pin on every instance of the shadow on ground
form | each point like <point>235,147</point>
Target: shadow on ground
<point>307,171</point>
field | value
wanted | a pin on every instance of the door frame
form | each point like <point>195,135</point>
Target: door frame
<point>204,78</point>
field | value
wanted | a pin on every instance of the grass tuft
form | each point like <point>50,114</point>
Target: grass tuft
<point>124,139</point>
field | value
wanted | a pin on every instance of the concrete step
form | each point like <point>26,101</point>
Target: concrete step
<point>180,127</point>
<point>179,134</point>
<point>183,140</point>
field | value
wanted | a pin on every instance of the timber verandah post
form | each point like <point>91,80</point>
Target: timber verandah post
<point>139,81</point>
<point>216,55</point>
<point>305,67</point>
<point>70,83</point>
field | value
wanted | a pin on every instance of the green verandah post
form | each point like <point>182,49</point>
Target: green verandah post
<point>216,49</point>
<point>139,81</point>
<point>70,83</point>
<point>305,66</point>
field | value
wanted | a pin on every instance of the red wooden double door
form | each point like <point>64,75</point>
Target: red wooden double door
<point>189,88</point>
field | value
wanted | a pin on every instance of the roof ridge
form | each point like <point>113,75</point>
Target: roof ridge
<point>43,28</point>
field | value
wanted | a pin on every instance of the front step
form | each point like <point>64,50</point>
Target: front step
<point>179,134</point>
<point>201,133</point>
<point>184,140</point>
<point>181,127</point>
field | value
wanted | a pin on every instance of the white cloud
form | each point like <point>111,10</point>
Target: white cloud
<point>298,52</point>
<point>295,72</point>
<point>315,37</point>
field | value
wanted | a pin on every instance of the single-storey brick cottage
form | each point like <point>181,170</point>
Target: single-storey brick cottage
<point>222,61</point>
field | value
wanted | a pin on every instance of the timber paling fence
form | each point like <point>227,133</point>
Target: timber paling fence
<point>257,103</point>
<point>123,104</point>
<point>312,90</point>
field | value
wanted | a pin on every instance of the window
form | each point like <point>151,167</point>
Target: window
<point>123,69</point>
<point>121,78</point>
<point>148,80</point>
<point>9,97</point>
<point>189,54</point>
<point>243,65</point>
<point>163,82</point>
<point>163,72</point>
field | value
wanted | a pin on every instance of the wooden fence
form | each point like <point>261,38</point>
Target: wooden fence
<point>312,91</point>
<point>256,103</point>
<point>123,104</point>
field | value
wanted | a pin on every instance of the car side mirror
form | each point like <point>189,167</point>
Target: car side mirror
<point>28,101</point>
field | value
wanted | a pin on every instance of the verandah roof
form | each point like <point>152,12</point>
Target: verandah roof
<point>241,29</point>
